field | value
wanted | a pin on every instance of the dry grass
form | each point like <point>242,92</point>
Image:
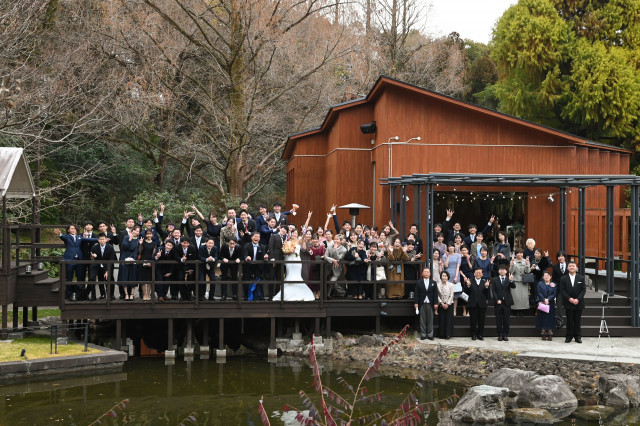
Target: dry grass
<point>38,347</point>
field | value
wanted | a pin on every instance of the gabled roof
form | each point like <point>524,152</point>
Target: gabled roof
<point>15,175</point>
<point>385,81</point>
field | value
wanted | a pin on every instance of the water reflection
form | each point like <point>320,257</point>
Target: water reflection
<point>218,393</point>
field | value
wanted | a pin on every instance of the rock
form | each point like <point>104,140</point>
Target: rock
<point>338,335</point>
<point>594,412</point>
<point>50,320</point>
<point>619,390</point>
<point>367,341</point>
<point>62,341</point>
<point>349,342</point>
<point>482,404</point>
<point>510,378</point>
<point>549,392</point>
<point>531,415</point>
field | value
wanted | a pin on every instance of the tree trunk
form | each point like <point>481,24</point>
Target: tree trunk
<point>236,102</point>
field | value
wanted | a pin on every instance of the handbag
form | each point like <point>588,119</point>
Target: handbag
<point>528,278</point>
<point>542,307</point>
<point>464,296</point>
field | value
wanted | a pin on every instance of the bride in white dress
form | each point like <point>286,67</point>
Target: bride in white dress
<point>295,290</point>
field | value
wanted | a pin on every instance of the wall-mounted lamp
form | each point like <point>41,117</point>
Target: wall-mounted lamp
<point>368,129</point>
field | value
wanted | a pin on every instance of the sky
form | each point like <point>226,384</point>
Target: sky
<point>472,19</point>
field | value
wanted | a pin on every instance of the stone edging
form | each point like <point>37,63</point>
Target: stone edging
<point>105,361</point>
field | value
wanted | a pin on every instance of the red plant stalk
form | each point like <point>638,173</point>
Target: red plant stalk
<point>111,412</point>
<point>373,366</point>
<point>317,382</point>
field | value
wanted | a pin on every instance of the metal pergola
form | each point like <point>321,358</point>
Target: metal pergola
<point>398,191</point>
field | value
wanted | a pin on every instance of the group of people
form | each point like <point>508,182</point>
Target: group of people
<point>464,269</point>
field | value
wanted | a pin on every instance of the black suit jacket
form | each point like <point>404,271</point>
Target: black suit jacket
<point>203,240</point>
<point>204,253</point>
<point>109,254</point>
<point>168,268</point>
<point>184,267</point>
<point>576,291</point>
<point>247,230</point>
<point>283,218</point>
<point>477,293</point>
<point>556,273</point>
<point>230,269</point>
<point>501,292</point>
<point>85,246</point>
<point>420,291</point>
<point>274,250</point>
<point>253,269</point>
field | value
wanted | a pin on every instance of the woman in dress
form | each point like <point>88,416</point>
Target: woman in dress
<point>316,252</point>
<point>356,269</point>
<point>519,267</point>
<point>146,251</point>
<point>501,252</point>
<point>377,268</point>
<point>440,245</point>
<point>129,252</point>
<point>547,292</point>
<point>540,264</point>
<point>436,266</point>
<point>466,272</point>
<point>484,263</point>
<point>457,243</point>
<point>445,306</point>
<point>396,255</point>
<point>452,266</point>
<point>294,289</point>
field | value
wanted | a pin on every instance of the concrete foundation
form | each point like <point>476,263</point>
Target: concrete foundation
<point>272,353</point>
<point>170,354</point>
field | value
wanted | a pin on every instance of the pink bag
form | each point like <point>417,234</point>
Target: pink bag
<point>542,307</point>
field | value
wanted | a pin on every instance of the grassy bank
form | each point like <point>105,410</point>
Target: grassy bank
<point>38,347</point>
<point>41,314</point>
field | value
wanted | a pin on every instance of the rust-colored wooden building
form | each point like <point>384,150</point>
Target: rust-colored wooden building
<point>336,163</point>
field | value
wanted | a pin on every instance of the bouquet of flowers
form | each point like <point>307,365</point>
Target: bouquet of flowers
<point>289,247</point>
<point>294,208</point>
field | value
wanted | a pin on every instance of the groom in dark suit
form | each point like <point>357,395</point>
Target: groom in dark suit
<point>254,254</point>
<point>573,288</point>
<point>478,289</point>
<point>426,301</point>
<point>502,301</point>
<point>274,251</point>
<point>101,271</point>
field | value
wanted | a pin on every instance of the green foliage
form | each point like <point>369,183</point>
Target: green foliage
<point>571,64</point>
<point>481,72</point>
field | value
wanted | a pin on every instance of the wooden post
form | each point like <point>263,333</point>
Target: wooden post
<point>377,324</point>
<point>34,313</point>
<point>317,326</point>
<point>118,342</point>
<point>221,334</point>
<point>25,316</point>
<point>328,327</point>
<point>5,316</point>
<point>189,334</point>
<point>272,339</point>
<point>15,317</point>
<point>205,332</point>
<point>170,334</point>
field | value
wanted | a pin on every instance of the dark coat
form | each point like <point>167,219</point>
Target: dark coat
<point>420,291</point>
<point>577,291</point>
<point>501,292</point>
<point>477,293</point>
<point>184,267</point>
<point>274,250</point>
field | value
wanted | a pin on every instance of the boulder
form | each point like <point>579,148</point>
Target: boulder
<point>531,415</point>
<point>482,404</point>
<point>510,378</point>
<point>367,341</point>
<point>619,390</point>
<point>549,392</point>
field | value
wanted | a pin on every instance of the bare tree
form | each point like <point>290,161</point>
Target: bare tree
<point>217,87</point>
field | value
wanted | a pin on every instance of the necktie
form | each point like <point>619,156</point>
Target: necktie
<point>562,268</point>
<point>255,250</point>
<point>502,281</point>
<point>102,251</point>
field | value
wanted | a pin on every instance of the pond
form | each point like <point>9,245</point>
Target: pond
<point>214,393</point>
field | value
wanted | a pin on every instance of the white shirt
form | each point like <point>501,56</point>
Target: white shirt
<point>573,279</point>
<point>426,284</point>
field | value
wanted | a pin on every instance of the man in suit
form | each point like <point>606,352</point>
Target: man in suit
<point>109,232</point>
<point>281,217</point>
<point>473,231</point>
<point>166,271</point>
<point>449,233</point>
<point>274,251</point>
<point>267,230</point>
<point>502,301</point>
<point>477,288</point>
<point>229,259</point>
<point>253,252</point>
<point>73,251</point>
<point>573,288</point>
<point>425,299</point>
<point>102,271</point>
<point>198,239</point>
<point>85,246</point>
<point>246,227</point>
<point>126,232</point>
<point>185,252</point>
<point>262,220</point>
<point>557,272</point>
<point>208,255</point>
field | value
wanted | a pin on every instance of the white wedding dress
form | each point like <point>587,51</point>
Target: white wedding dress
<point>298,291</point>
